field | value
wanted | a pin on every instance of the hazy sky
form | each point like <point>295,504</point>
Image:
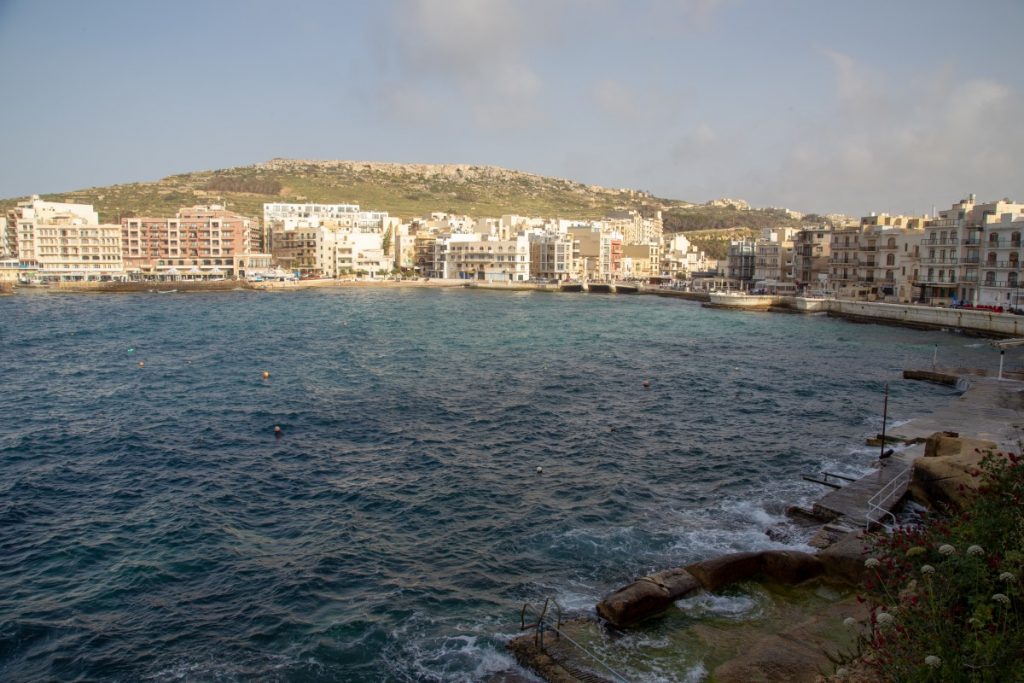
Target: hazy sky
<point>818,105</point>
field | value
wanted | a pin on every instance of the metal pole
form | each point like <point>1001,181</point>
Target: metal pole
<point>885,417</point>
<point>935,356</point>
<point>1002,352</point>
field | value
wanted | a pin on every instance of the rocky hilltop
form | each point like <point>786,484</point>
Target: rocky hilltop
<point>411,190</point>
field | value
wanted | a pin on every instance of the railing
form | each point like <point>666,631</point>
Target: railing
<point>940,261</point>
<point>543,624</point>
<point>939,241</point>
<point>886,496</point>
<point>1001,264</point>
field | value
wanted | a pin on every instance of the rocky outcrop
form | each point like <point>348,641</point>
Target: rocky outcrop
<point>798,654</point>
<point>784,566</point>
<point>843,561</point>
<point>646,597</point>
<point>946,476</point>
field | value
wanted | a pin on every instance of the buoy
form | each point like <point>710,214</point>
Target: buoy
<point>277,430</point>
<point>539,469</point>
<point>131,350</point>
<point>142,363</point>
<point>647,385</point>
<point>266,375</point>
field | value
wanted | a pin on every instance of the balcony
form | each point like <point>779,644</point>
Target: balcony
<point>971,241</point>
<point>932,241</point>
<point>1001,265</point>
<point>930,261</point>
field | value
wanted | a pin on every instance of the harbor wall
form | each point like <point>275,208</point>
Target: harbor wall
<point>929,317</point>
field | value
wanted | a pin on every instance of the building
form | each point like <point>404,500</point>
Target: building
<point>773,259</point>
<point>551,255</point>
<point>681,260</point>
<point>329,240</point>
<point>811,251</point>
<point>283,217</point>
<point>8,238</point>
<point>200,242</point>
<point>66,242</point>
<point>350,250</point>
<point>956,248</point>
<point>597,252</point>
<point>877,259</point>
<point>740,262</point>
<point>1000,257</point>
<point>489,258</point>
<point>634,228</point>
<point>641,261</point>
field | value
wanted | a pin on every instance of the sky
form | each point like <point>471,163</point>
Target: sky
<point>816,105</point>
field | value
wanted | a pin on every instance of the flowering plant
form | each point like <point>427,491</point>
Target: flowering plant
<point>946,598</point>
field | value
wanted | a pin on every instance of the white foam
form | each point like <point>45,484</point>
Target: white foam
<point>732,607</point>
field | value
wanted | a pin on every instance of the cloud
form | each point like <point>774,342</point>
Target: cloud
<point>478,49</point>
<point>618,101</point>
<point>903,147</point>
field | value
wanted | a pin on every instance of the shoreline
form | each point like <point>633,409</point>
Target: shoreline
<point>987,409</point>
<point>912,316</point>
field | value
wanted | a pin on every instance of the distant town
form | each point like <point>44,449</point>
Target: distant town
<point>967,255</point>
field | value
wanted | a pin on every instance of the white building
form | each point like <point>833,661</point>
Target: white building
<point>488,258</point>
<point>66,241</point>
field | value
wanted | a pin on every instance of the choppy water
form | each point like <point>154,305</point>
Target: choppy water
<point>152,527</point>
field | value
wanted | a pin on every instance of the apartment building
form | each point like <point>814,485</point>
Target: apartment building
<point>551,255</point>
<point>641,261</point>
<point>634,228</point>
<point>773,258</point>
<point>597,252</point>
<point>811,251</point>
<point>956,246</point>
<point>63,241</point>
<point>200,241</point>
<point>1000,257</point>
<point>285,217</point>
<point>739,261</point>
<point>350,250</point>
<point>489,258</point>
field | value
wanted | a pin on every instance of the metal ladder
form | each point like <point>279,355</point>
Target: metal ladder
<point>543,624</point>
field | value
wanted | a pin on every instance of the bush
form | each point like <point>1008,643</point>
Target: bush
<point>946,595</point>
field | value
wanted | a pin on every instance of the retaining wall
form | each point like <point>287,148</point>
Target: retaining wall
<point>929,317</point>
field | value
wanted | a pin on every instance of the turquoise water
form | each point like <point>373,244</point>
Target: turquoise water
<point>153,527</point>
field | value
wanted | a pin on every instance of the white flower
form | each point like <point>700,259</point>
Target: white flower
<point>849,622</point>
<point>932,661</point>
<point>871,563</point>
<point>1002,599</point>
<point>927,569</point>
<point>946,549</point>
<point>975,550</point>
<point>1007,577</point>
<point>884,619</point>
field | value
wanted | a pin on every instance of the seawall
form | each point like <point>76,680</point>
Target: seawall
<point>984,323</point>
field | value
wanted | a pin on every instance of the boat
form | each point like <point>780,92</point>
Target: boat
<point>166,291</point>
<point>743,300</point>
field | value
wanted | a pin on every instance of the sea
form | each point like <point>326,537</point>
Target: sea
<point>445,456</point>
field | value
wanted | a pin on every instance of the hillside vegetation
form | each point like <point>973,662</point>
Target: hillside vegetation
<point>406,191</point>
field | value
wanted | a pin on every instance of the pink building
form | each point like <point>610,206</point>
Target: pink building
<point>202,241</point>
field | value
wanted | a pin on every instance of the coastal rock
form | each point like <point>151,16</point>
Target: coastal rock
<point>784,566</point>
<point>945,476</point>
<point>646,597</point>
<point>844,560</point>
<point>799,654</point>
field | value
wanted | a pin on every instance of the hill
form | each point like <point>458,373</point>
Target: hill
<point>404,190</point>
<point>410,190</point>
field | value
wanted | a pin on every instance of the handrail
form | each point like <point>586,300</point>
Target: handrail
<point>542,625</point>
<point>878,502</point>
